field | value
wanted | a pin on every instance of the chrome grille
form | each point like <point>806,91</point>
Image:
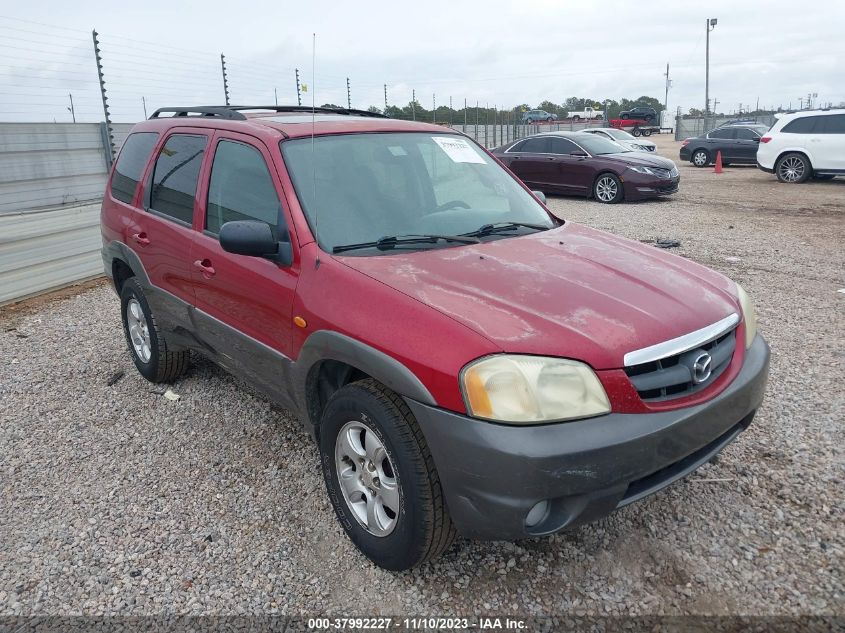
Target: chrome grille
<point>675,376</point>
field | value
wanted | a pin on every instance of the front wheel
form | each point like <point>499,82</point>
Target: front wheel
<point>608,189</point>
<point>793,168</point>
<point>576,118</point>
<point>700,158</point>
<point>636,131</point>
<point>381,478</point>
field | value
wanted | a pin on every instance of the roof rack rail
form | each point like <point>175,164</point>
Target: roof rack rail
<point>224,112</point>
<point>234,112</point>
<point>306,109</point>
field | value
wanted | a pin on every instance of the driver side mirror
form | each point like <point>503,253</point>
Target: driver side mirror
<point>540,196</point>
<point>255,239</point>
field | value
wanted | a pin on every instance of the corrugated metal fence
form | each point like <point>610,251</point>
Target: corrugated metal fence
<point>691,127</point>
<point>51,181</point>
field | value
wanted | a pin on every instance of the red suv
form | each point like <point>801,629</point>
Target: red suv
<point>467,363</point>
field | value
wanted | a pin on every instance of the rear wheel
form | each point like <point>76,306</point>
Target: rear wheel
<point>700,158</point>
<point>549,120</point>
<point>793,168</point>
<point>152,357</point>
<point>636,131</point>
<point>576,118</point>
<point>646,132</point>
<point>381,478</point>
<point>608,189</point>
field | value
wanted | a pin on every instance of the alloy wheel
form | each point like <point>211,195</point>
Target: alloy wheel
<point>700,159</point>
<point>367,478</point>
<point>791,169</point>
<point>139,331</point>
<point>606,189</point>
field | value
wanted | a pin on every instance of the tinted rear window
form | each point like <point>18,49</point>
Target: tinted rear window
<point>804,125</point>
<point>130,164</point>
<point>175,176</point>
<point>833,124</point>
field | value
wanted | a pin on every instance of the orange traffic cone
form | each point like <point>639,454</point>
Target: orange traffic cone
<point>718,168</point>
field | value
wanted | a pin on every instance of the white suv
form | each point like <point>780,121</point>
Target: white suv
<point>805,144</point>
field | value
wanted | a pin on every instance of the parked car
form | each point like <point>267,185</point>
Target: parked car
<point>804,144</point>
<point>625,139</point>
<point>739,122</point>
<point>640,113</point>
<point>466,362</point>
<point>738,144</point>
<point>583,164</point>
<point>532,116</point>
<point>586,113</point>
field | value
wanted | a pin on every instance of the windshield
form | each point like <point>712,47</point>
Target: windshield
<point>621,135</point>
<point>371,186</point>
<point>598,145</point>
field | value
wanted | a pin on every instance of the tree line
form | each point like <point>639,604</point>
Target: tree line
<point>484,114</point>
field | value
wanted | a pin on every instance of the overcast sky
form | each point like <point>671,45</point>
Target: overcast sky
<point>503,53</point>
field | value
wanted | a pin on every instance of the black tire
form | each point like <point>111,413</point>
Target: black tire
<point>607,189</point>
<point>576,118</point>
<point>423,528</point>
<point>163,364</point>
<point>793,168</point>
<point>600,117</point>
<point>703,160</point>
<point>636,131</point>
<point>646,132</point>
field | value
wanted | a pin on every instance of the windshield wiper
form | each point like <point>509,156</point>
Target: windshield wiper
<point>498,227</point>
<point>389,242</point>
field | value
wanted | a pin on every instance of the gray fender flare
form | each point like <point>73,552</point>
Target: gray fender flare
<point>327,345</point>
<point>118,250</point>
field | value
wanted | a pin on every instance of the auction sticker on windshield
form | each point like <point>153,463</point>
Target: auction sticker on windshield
<point>458,149</point>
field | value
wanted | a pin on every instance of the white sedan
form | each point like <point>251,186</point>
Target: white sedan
<point>624,139</point>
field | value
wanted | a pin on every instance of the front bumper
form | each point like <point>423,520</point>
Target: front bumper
<point>494,474</point>
<point>684,154</point>
<point>643,186</point>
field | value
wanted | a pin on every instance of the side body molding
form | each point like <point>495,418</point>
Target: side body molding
<point>328,345</point>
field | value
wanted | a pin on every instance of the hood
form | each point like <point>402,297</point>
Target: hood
<point>571,292</point>
<point>639,158</point>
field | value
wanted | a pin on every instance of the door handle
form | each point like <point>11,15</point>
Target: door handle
<point>205,267</point>
<point>141,238</point>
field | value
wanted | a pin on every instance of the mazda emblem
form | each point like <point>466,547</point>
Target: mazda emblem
<point>702,367</point>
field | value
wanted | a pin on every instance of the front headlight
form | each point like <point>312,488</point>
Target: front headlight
<point>748,315</point>
<point>531,389</point>
<point>641,170</point>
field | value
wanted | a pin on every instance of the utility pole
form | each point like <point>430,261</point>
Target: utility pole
<point>144,104</point>
<point>73,112</point>
<point>709,25</point>
<point>225,78</point>
<point>276,96</point>
<point>298,93</point>
<point>450,111</point>
<point>385,98</point>
<point>348,95</point>
<point>413,105</point>
<point>433,108</point>
<point>800,103</point>
<point>665,98</point>
<point>465,117</point>
<point>716,103</point>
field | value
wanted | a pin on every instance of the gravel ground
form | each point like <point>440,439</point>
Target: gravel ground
<point>118,500</point>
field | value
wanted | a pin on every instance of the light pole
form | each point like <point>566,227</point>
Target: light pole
<point>709,24</point>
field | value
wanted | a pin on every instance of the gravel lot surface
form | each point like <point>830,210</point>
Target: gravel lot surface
<point>118,500</point>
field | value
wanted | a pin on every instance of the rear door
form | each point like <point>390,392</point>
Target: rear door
<point>162,234</point>
<point>746,144</point>
<point>722,140</point>
<point>829,150</point>
<point>244,304</point>
<point>528,160</point>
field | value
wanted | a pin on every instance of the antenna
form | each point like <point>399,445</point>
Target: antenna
<point>313,124</point>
